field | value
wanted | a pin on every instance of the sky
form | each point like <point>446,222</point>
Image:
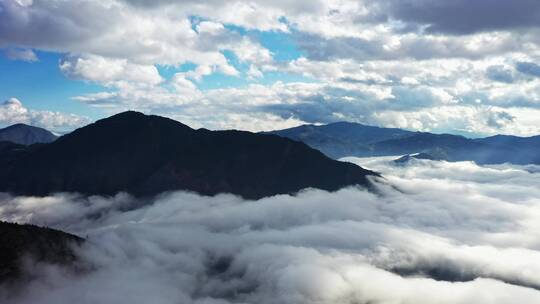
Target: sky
<point>464,67</point>
<point>477,227</point>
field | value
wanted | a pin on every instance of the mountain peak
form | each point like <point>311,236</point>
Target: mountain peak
<point>133,118</point>
<point>22,126</point>
<point>128,114</point>
<point>346,123</point>
<point>24,134</point>
<point>19,125</point>
<point>146,155</point>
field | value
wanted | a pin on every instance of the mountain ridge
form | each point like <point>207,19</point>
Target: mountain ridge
<point>24,134</point>
<point>392,142</point>
<point>147,154</point>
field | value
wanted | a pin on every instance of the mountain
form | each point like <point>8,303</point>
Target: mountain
<point>492,150</point>
<point>146,155</point>
<point>429,156</point>
<point>341,138</point>
<point>352,140</point>
<point>507,140</point>
<point>26,135</point>
<point>28,241</point>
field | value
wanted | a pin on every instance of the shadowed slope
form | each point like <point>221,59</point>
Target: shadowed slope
<point>146,155</point>
<point>28,241</point>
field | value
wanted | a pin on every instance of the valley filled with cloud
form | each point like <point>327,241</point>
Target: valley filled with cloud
<point>430,232</point>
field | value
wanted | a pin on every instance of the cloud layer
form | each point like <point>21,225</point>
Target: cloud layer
<point>13,111</point>
<point>428,65</point>
<point>437,232</point>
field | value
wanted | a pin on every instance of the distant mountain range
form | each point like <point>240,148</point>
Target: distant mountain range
<point>26,135</point>
<point>351,139</point>
<point>27,241</point>
<point>146,155</point>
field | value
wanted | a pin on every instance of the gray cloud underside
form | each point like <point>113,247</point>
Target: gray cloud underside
<point>403,63</point>
<point>413,47</point>
<point>452,17</point>
<point>451,221</point>
<point>465,17</point>
<point>529,68</point>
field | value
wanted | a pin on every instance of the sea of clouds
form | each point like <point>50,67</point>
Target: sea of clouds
<point>433,232</point>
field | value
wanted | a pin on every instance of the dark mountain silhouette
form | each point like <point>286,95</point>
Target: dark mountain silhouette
<point>351,140</point>
<point>146,155</point>
<point>26,135</point>
<point>18,242</point>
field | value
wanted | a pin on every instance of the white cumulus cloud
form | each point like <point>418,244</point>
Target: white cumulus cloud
<point>13,111</point>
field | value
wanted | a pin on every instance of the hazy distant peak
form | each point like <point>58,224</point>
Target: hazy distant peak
<point>26,135</point>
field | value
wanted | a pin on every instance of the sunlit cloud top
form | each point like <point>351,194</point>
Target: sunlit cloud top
<point>442,66</point>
